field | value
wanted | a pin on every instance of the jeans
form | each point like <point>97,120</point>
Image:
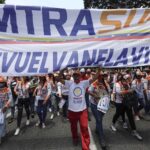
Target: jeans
<point>42,111</point>
<point>98,115</point>
<point>23,102</point>
<point>3,128</point>
<point>139,105</point>
<point>55,103</point>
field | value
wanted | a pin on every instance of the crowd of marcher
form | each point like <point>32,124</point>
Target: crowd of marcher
<point>75,92</point>
<point>116,4</point>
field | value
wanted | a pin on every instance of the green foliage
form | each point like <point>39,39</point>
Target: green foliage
<point>115,4</point>
<point>2,1</point>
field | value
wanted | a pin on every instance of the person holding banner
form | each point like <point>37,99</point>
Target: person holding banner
<point>77,108</point>
<point>5,99</point>
<point>97,91</point>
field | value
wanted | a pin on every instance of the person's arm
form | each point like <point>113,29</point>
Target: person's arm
<point>16,88</point>
<point>91,92</point>
<point>67,83</point>
<point>59,89</point>
<point>8,101</point>
<point>91,80</point>
<point>34,93</point>
<point>48,94</point>
<point>145,84</point>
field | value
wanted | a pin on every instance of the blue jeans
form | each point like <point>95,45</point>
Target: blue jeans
<point>55,103</point>
<point>42,111</point>
<point>3,128</point>
<point>98,115</point>
<point>139,105</point>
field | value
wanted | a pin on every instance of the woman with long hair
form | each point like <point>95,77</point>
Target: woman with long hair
<point>97,90</point>
<point>42,93</point>
<point>22,91</point>
<point>125,99</point>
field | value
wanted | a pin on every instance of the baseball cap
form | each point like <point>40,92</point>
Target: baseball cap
<point>82,70</point>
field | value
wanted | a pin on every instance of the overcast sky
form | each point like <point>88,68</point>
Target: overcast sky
<point>69,4</point>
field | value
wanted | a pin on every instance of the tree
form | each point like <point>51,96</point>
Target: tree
<point>2,1</point>
<point>114,4</point>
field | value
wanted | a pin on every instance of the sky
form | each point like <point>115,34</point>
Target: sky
<point>68,4</point>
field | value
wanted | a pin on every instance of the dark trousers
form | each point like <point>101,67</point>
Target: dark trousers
<point>138,105</point>
<point>87,99</point>
<point>120,110</point>
<point>49,103</point>
<point>42,111</point>
<point>65,107</point>
<point>23,102</point>
<point>32,102</point>
<point>98,115</point>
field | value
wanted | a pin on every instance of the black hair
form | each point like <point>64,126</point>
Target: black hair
<point>119,77</point>
<point>42,80</point>
<point>3,85</point>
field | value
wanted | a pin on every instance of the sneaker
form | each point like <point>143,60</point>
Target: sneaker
<point>52,117</point>
<point>125,125</point>
<point>27,122</point>
<point>136,134</point>
<point>43,125</point>
<point>50,110</point>
<point>37,124</point>
<point>17,131</point>
<point>137,118</point>
<point>113,128</point>
<point>58,113</point>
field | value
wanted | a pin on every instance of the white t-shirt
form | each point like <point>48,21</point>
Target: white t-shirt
<point>77,95</point>
<point>117,91</point>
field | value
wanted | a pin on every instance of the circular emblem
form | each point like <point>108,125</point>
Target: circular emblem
<point>77,91</point>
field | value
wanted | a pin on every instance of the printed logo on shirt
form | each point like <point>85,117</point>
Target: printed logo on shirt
<point>77,91</point>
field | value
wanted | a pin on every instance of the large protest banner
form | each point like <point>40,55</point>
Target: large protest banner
<point>38,40</point>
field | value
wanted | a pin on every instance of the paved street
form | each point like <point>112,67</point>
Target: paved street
<point>56,136</point>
